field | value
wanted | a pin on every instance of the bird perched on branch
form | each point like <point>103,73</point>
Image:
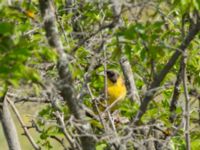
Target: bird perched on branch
<point>116,90</point>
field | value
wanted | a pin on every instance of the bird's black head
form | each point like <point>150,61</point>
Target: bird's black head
<point>112,75</point>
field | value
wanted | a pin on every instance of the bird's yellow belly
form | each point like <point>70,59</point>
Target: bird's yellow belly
<point>116,92</point>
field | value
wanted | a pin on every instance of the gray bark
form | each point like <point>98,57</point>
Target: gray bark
<point>9,128</point>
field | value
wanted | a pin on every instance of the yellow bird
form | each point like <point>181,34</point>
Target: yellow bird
<point>116,89</point>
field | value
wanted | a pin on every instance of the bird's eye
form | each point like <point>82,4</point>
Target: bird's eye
<point>110,73</point>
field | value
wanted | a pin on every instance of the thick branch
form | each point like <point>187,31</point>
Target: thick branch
<point>66,86</point>
<point>9,128</point>
<point>66,81</point>
<point>117,7</point>
<point>129,78</point>
<point>28,135</point>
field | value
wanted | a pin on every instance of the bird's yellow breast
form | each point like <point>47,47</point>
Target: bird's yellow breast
<point>116,91</point>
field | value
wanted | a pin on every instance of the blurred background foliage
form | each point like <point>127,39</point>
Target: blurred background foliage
<point>148,34</point>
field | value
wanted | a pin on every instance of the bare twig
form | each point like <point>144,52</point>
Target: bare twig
<point>60,117</point>
<point>93,65</point>
<point>99,115</point>
<point>112,105</point>
<point>187,104</point>
<point>96,107</point>
<point>176,94</point>
<point>117,144</point>
<point>28,99</point>
<point>61,141</point>
<point>199,111</point>
<point>174,132</point>
<point>28,135</point>
<point>105,89</point>
<point>109,25</point>
<point>63,128</point>
<point>194,93</point>
<point>117,11</point>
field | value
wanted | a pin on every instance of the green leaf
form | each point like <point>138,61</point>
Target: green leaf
<point>6,28</point>
<point>195,144</point>
<point>101,146</point>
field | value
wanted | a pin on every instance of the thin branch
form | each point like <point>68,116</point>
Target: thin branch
<point>105,89</point>
<point>173,133</point>
<point>28,99</point>
<point>109,25</point>
<point>187,103</point>
<point>95,63</point>
<point>99,115</point>
<point>106,98</point>
<point>176,94</point>
<point>63,128</point>
<point>27,134</point>
<point>112,105</point>
<point>199,111</point>
<point>59,116</point>
<point>194,93</point>
<point>96,106</point>
<point>117,11</point>
<point>61,141</point>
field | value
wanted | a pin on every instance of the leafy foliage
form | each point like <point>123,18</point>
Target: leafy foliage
<point>147,34</point>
